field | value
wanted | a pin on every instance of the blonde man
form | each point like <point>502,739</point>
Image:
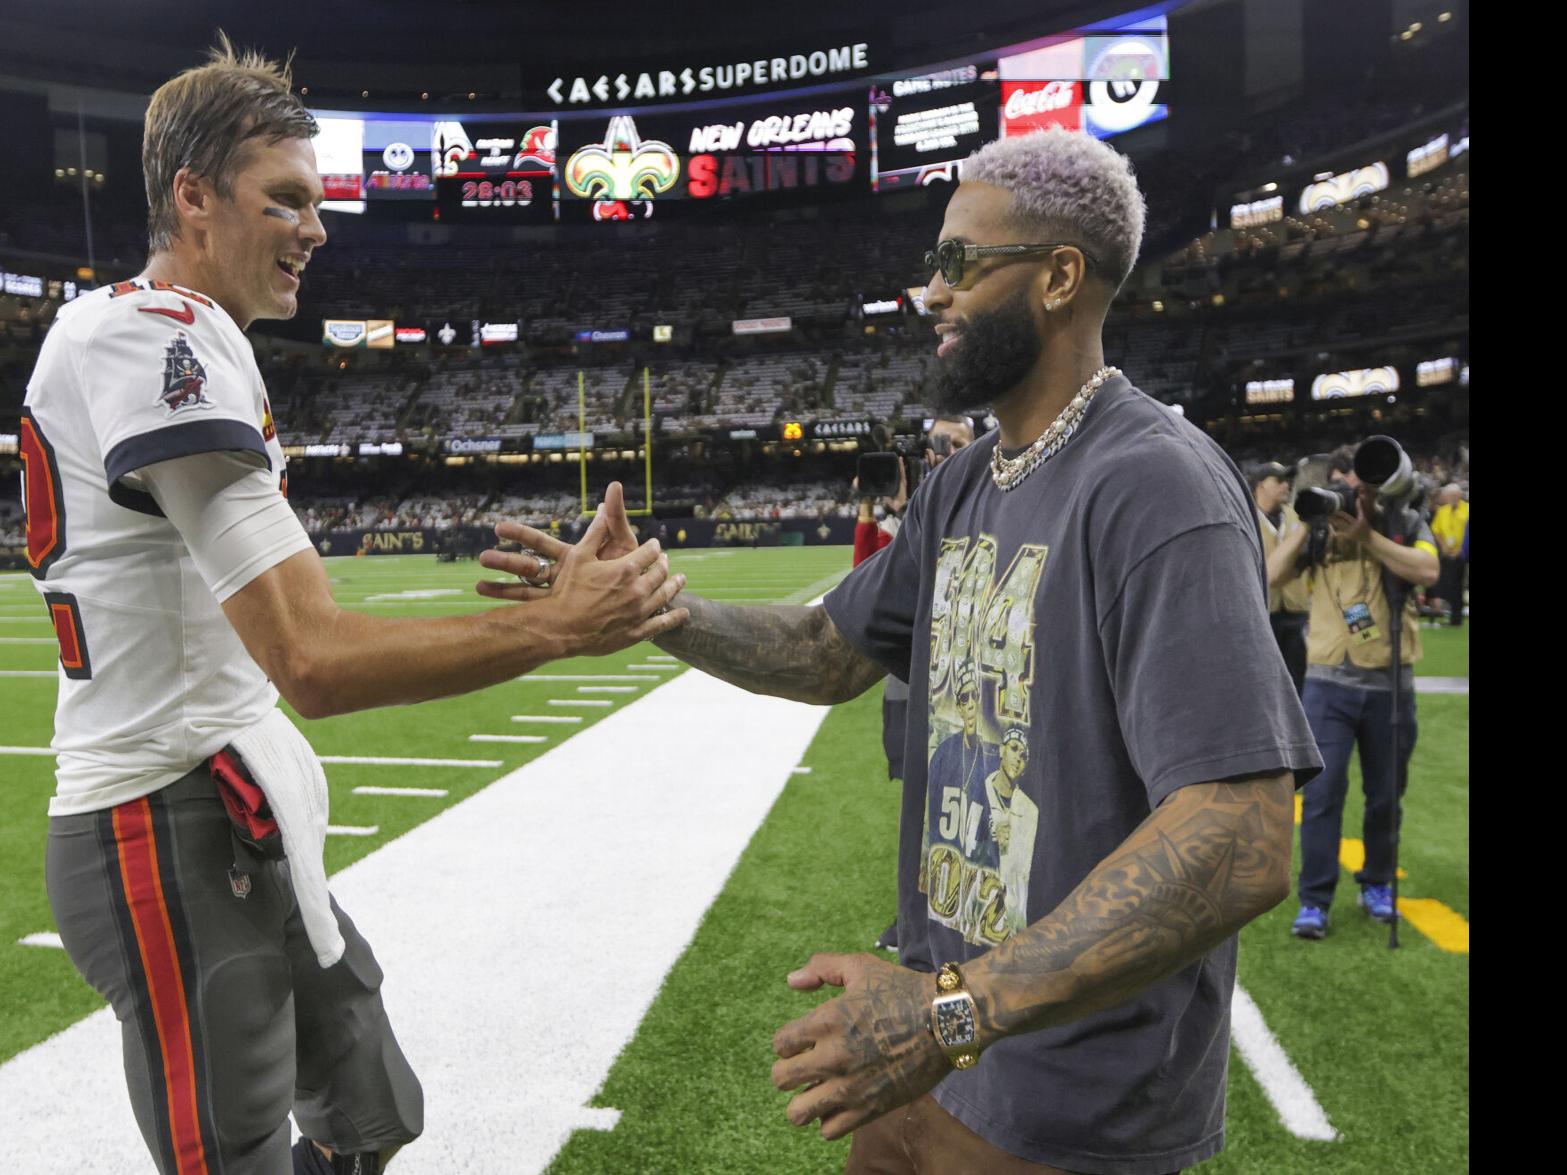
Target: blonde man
<point>184,860</point>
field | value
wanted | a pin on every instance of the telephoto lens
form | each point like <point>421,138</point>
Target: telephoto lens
<point>1323,501</point>
<point>1381,462</point>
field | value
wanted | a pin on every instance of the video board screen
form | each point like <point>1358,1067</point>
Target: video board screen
<point>1104,83</point>
<point>396,159</point>
<point>339,145</point>
<point>803,144</point>
<point>500,166</point>
<point>925,124</point>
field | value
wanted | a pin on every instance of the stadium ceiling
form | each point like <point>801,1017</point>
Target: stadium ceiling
<point>496,48</point>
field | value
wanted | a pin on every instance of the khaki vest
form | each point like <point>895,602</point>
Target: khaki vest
<point>1339,583</point>
<point>1294,596</point>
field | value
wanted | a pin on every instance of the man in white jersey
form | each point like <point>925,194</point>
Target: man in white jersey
<point>184,864</point>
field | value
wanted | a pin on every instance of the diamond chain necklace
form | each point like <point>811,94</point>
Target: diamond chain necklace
<point>1009,472</point>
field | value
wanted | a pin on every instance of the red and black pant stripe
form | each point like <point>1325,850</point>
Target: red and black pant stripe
<point>161,965</point>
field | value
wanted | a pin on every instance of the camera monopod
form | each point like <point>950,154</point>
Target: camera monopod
<point>1397,597</point>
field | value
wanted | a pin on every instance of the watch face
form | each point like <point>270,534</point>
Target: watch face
<point>955,1021</point>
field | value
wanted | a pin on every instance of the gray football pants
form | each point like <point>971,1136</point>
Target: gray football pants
<point>228,1021</point>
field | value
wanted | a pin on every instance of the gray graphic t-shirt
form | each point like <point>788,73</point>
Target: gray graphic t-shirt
<point>1077,649</point>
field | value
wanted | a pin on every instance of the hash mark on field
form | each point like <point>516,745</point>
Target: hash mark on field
<point>661,657</point>
<point>28,673</point>
<point>45,938</point>
<point>606,689</point>
<point>1292,1098</point>
<point>26,750</point>
<point>508,738</point>
<point>376,761</point>
<point>352,829</point>
<point>799,770</point>
<point>546,718</point>
<point>579,702</point>
<point>28,640</point>
<point>661,667</point>
<point>400,791</point>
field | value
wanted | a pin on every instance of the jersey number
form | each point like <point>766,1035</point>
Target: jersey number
<point>43,499</point>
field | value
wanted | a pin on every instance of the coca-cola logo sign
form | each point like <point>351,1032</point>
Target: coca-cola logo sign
<point>1036,105</point>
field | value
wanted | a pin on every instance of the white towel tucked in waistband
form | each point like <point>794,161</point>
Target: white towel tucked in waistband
<point>286,769</point>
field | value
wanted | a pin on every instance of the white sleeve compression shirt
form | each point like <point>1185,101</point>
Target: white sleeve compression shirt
<point>230,513</point>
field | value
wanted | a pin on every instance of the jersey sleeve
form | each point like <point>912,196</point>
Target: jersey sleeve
<point>161,381</point>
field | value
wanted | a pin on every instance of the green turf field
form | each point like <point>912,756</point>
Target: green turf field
<point>1380,1036</point>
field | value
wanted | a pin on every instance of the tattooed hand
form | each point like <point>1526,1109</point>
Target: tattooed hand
<point>864,1052</point>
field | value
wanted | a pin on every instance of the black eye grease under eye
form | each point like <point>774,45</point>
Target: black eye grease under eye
<point>281,214</point>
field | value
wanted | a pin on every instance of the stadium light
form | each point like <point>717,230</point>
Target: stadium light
<point>1444,17</point>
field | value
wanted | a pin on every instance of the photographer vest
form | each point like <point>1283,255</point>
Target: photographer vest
<point>1295,595</point>
<point>1340,584</point>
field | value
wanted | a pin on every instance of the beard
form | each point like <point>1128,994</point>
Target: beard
<point>998,348</point>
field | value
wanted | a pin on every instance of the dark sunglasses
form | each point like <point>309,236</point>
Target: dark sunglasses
<point>950,257</point>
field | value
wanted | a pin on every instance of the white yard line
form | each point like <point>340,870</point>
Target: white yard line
<point>588,677</point>
<point>470,899</point>
<point>46,938</point>
<point>378,761</point>
<point>661,657</point>
<point>553,718</point>
<point>661,667</point>
<point>606,689</point>
<point>1291,1097</point>
<point>579,702</point>
<point>400,791</point>
<point>352,829</point>
<point>508,738</point>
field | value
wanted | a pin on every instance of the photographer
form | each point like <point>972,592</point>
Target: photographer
<point>1348,694</point>
<point>1450,526</point>
<point>947,435</point>
<point>1283,539</point>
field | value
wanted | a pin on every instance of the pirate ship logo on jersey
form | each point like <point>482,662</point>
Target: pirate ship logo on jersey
<point>183,377</point>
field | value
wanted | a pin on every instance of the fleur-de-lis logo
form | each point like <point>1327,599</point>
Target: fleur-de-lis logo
<point>623,167</point>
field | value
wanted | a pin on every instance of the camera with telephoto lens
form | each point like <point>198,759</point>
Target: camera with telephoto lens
<point>1380,463</point>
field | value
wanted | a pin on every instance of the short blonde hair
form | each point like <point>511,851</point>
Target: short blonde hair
<point>204,117</point>
<point>1071,187</point>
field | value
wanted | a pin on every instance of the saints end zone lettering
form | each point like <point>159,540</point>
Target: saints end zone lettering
<point>392,540</point>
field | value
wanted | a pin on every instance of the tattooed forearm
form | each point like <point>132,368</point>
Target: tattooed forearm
<point>1210,859</point>
<point>790,652</point>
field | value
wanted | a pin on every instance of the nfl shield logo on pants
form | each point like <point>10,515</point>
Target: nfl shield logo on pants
<point>239,883</point>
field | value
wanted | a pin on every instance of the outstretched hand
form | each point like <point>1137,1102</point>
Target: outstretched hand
<point>602,602</point>
<point>862,1053</point>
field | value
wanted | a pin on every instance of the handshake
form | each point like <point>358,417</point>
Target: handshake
<point>602,594</point>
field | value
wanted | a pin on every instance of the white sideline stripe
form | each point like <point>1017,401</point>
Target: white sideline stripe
<point>459,880</point>
<point>546,718</point>
<point>28,673</point>
<point>606,689</point>
<point>508,738</point>
<point>1296,1105</point>
<point>46,938</point>
<point>28,640</point>
<point>579,702</point>
<point>587,677</point>
<point>352,829</point>
<point>377,761</point>
<point>400,791</point>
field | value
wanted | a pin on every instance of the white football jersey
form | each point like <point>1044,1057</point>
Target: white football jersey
<point>153,679</point>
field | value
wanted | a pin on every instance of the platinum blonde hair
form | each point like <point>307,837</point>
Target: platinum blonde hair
<point>1071,187</point>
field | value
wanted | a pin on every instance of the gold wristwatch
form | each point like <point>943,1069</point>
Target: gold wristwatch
<point>954,1020</point>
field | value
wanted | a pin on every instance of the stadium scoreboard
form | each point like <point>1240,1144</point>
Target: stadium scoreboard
<point>881,134</point>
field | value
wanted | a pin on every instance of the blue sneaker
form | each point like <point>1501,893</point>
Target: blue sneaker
<point>1377,900</point>
<point>1310,923</point>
